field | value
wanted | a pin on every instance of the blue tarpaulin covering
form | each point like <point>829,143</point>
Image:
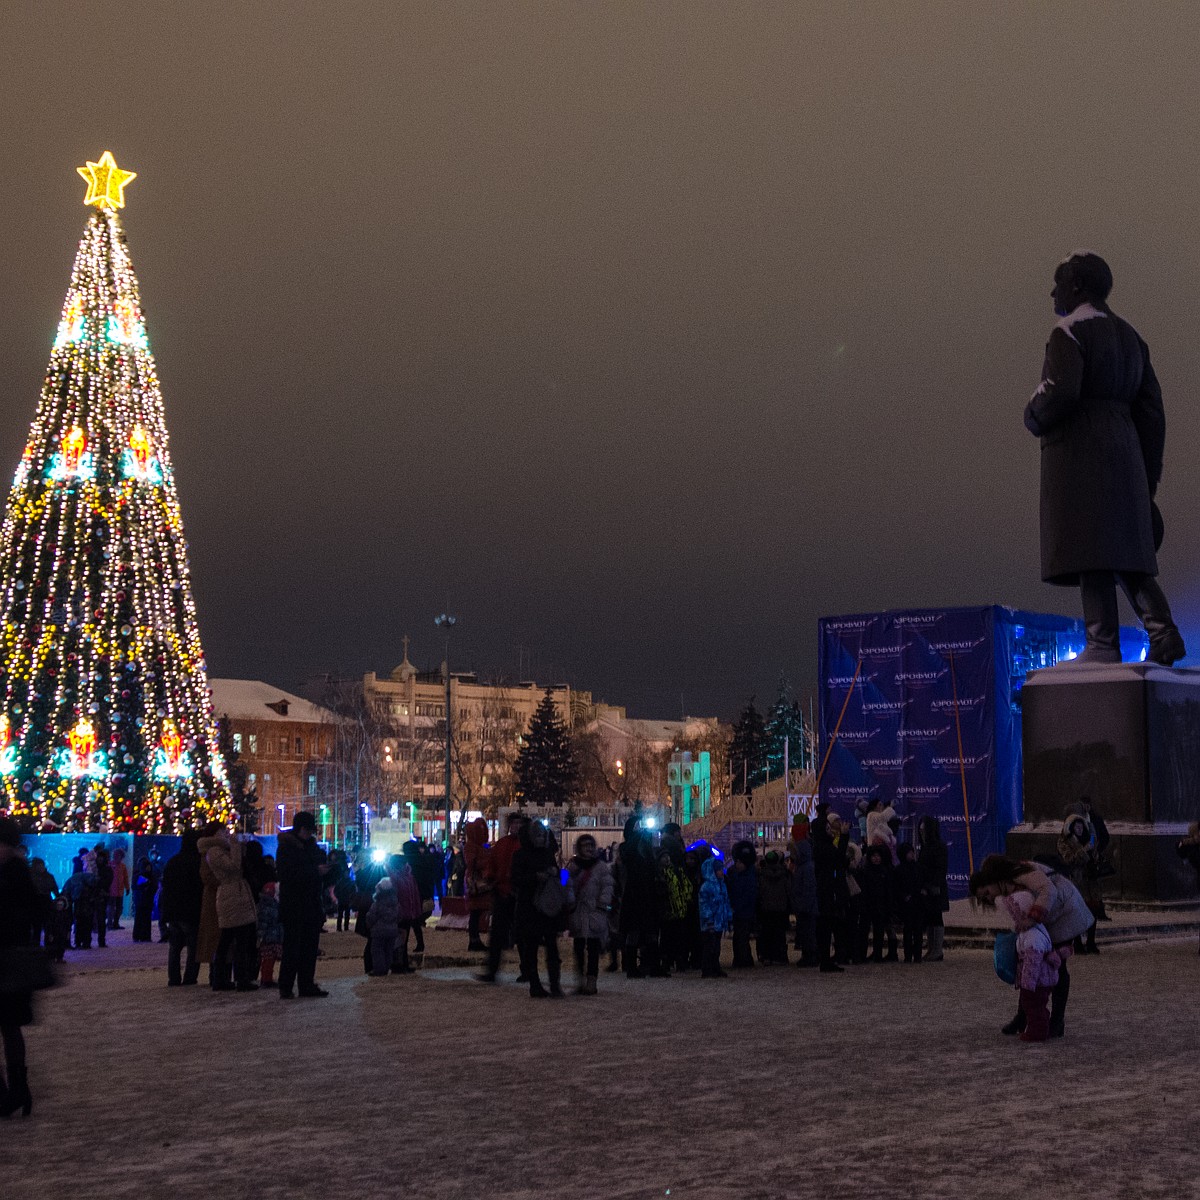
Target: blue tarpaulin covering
<point>927,677</point>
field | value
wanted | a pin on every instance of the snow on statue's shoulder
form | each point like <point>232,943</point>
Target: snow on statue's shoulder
<point>1085,312</point>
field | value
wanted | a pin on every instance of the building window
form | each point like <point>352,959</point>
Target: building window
<point>237,743</point>
<point>312,785</point>
<point>299,747</point>
<point>253,744</point>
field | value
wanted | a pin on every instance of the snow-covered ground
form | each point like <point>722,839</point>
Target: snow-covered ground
<point>884,1081</point>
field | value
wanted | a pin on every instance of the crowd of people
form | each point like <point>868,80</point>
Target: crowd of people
<point>842,892</point>
<point>661,907</point>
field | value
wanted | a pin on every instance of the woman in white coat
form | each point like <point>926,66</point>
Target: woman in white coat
<point>1057,905</point>
<point>591,890</point>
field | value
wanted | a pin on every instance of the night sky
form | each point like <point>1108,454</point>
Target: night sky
<point>641,334</point>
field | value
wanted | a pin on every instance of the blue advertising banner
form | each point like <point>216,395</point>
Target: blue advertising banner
<point>932,721</point>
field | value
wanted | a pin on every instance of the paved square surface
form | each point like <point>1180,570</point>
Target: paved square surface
<point>884,1081</point>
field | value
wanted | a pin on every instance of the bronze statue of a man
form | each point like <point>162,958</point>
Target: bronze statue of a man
<point>1099,414</point>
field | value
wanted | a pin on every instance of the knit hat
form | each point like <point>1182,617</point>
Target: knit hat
<point>304,820</point>
<point>385,885</point>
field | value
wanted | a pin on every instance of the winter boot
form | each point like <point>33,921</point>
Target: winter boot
<point>1101,617</point>
<point>1090,946</point>
<point>554,972</point>
<point>937,934</point>
<point>536,991</point>
<point>1058,1003</point>
<point>589,986</point>
<point>1016,1025</point>
<point>1166,643</point>
<point>18,1094</point>
<point>1037,1019</point>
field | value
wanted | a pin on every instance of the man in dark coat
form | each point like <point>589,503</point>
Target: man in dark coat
<point>1099,414</point>
<point>180,905</point>
<point>829,867</point>
<point>638,922</point>
<point>301,906</point>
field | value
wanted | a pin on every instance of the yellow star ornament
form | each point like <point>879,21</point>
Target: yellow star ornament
<point>106,182</point>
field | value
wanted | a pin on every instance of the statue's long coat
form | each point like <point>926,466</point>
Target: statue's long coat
<point>1099,415</point>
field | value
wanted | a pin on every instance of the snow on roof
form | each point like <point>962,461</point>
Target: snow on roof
<point>253,700</point>
<point>657,731</point>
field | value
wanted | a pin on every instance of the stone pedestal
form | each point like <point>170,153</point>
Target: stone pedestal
<point>1129,737</point>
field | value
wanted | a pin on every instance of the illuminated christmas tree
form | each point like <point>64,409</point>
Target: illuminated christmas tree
<point>106,720</point>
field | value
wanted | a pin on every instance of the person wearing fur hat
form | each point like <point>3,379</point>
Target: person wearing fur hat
<point>236,914</point>
<point>1078,856</point>
<point>383,920</point>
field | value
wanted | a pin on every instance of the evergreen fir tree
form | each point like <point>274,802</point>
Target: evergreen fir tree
<point>785,723</point>
<point>105,714</point>
<point>546,770</point>
<point>245,805</point>
<point>746,750</point>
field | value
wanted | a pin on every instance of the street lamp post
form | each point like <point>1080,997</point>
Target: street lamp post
<point>447,622</point>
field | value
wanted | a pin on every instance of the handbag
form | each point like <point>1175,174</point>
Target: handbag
<point>25,969</point>
<point>550,899</point>
<point>1004,954</point>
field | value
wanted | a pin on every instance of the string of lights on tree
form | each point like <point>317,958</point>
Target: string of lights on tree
<point>106,719</point>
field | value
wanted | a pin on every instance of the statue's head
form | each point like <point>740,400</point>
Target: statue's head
<point>1081,278</point>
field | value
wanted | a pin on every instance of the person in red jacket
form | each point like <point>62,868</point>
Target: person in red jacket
<point>478,886</point>
<point>118,889</point>
<point>504,901</point>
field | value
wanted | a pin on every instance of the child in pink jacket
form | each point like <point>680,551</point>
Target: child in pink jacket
<point>1037,965</point>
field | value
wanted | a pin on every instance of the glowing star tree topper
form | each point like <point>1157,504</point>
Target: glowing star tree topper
<point>105,716</point>
<point>106,182</point>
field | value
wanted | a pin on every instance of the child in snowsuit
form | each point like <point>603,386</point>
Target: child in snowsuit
<point>270,934</point>
<point>383,920</point>
<point>716,916</point>
<point>1037,965</point>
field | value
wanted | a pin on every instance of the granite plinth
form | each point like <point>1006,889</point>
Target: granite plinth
<point>1127,735</point>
